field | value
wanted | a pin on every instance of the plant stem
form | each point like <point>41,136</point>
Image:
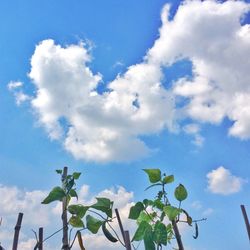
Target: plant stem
<point>65,240</point>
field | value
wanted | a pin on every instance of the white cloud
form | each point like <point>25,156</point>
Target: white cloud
<point>210,35</point>
<point>102,127</point>
<point>108,126</point>
<point>221,181</point>
<point>194,129</point>
<point>14,200</point>
<point>21,97</point>
<point>14,85</point>
<point>15,88</point>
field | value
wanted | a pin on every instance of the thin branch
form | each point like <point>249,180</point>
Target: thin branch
<point>70,231</point>
<point>35,234</point>
<point>75,237</point>
<point>52,234</point>
<point>97,214</point>
<point>137,245</point>
<point>117,236</point>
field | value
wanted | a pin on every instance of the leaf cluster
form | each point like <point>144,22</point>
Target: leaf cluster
<point>155,217</point>
<point>80,215</point>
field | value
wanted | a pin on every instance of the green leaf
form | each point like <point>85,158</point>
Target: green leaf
<point>171,212</point>
<point>70,184</point>
<point>59,171</point>
<point>140,232</point>
<point>169,228</point>
<point>148,239</point>
<point>162,216</point>
<point>143,217</point>
<point>104,205</point>
<point>180,193</point>
<point>158,203</point>
<point>93,224</point>
<point>147,202</point>
<point>76,175</point>
<point>160,234</point>
<point>56,194</point>
<point>73,193</point>
<point>78,210</point>
<point>168,179</point>
<point>153,174</point>
<point>135,210</point>
<point>107,234</point>
<point>76,221</point>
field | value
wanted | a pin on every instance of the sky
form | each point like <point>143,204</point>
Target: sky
<point>109,88</point>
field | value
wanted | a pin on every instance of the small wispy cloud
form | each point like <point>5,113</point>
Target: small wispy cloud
<point>14,85</point>
<point>194,130</point>
<point>118,64</point>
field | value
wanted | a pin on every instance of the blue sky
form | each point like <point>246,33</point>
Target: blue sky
<point>111,87</point>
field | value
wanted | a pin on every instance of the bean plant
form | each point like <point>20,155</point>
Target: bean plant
<point>80,215</point>
<point>158,219</point>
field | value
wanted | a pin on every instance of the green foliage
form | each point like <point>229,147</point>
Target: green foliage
<point>168,179</point>
<point>141,230</point>
<point>80,214</point>
<point>136,210</point>
<point>93,224</point>
<point>76,221</point>
<point>56,194</point>
<point>180,193</point>
<point>171,212</point>
<point>154,175</point>
<point>78,210</point>
<point>160,235</point>
<point>104,205</point>
<point>155,218</point>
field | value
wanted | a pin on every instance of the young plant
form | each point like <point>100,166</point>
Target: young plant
<point>158,219</point>
<point>80,215</point>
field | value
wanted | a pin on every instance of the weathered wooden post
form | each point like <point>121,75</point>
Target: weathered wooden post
<point>246,220</point>
<point>65,239</point>
<point>17,230</point>
<point>40,238</point>
<point>125,234</point>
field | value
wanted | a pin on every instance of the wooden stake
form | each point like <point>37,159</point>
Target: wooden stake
<point>17,230</point>
<point>40,238</point>
<point>246,220</point>
<point>127,240</point>
<point>65,240</point>
<point>125,234</point>
<point>120,224</point>
<point>177,235</point>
